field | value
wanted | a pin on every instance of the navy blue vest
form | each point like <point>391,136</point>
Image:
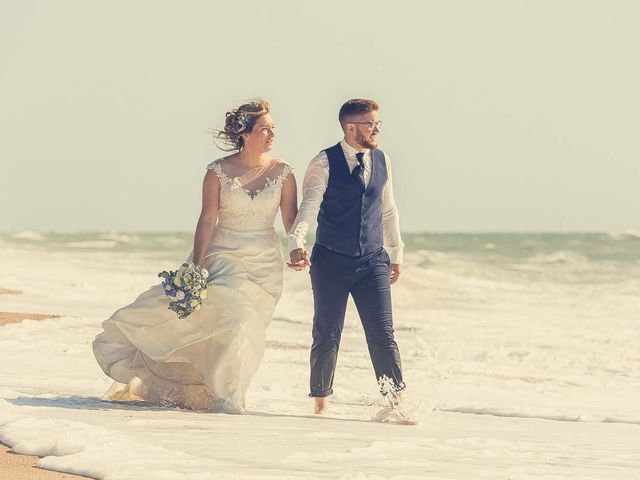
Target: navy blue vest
<point>350,218</point>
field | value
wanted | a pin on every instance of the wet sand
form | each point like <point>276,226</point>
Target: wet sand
<point>12,465</point>
<point>23,467</point>
<point>16,317</point>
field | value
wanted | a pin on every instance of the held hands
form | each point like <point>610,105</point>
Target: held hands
<point>299,259</point>
<point>394,273</point>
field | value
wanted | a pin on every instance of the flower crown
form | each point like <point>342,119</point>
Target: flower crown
<point>241,121</point>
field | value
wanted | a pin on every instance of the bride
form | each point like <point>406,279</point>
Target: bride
<point>207,360</point>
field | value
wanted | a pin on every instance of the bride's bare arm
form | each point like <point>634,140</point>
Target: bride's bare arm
<point>289,202</point>
<point>208,216</point>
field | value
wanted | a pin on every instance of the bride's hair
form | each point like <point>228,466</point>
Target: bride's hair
<point>238,121</point>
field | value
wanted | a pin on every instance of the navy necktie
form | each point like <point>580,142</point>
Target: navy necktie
<point>358,171</point>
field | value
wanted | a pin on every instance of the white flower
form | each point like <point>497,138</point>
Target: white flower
<point>204,272</point>
<point>179,295</point>
<point>195,302</point>
<point>197,307</point>
<point>203,294</point>
<point>177,280</point>
<point>235,184</point>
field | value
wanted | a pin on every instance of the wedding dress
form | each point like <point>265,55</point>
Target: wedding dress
<point>207,360</point>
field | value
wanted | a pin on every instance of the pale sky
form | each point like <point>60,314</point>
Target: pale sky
<point>497,115</point>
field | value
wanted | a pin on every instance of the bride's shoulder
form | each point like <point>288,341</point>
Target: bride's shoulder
<point>281,169</point>
<point>214,165</point>
<point>280,165</point>
<point>216,168</point>
<point>218,162</point>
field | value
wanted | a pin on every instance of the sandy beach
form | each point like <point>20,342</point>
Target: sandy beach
<point>6,291</point>
<point>23,467</point>
<point>16,317</point>
<point>12,465</point>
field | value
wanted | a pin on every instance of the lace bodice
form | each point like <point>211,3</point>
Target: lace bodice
<point>249,202</point>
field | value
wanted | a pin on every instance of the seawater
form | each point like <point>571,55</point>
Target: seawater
<point>612,255</point>
<point>541,325</point>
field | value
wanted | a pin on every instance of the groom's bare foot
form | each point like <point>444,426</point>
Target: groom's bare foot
<point>395,398</point>
<point>395,412</point>
<point>321,404</point>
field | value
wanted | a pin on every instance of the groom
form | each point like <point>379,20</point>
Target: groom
<point>358,249</point>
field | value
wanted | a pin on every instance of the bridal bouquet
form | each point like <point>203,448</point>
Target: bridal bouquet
<point>186,287</point>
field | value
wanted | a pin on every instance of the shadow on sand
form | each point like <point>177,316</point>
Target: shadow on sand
<point>78,402</point>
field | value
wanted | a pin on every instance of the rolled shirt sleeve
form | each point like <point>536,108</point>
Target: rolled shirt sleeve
<point>391,220</point>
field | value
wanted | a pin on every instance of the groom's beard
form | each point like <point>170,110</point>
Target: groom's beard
<point>366,142</point>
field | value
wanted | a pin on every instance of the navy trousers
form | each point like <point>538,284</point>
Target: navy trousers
<point>333,277</point>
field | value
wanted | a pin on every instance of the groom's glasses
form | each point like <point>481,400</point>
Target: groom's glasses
<point>370,125</point>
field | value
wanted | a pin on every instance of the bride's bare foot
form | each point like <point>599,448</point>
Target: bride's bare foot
<point>134,390</point>
<point>321,404</point>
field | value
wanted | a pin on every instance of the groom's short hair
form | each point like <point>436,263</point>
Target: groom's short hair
<point>355,106</point>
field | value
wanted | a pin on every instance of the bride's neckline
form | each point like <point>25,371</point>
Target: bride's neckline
<point>243,165</point>
<point>251,168</point>
<point>236,183</point>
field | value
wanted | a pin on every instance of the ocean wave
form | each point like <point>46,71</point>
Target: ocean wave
<point>427,257</point>
<point>92,244</point>
<point>119,237</point>
<point>173,241</point>
<point>29,235</point>
<point>628,234</point>
<point>559,257</point>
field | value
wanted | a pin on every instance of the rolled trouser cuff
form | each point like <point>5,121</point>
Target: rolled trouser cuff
<point>321,394</point>
<point>390,386</point>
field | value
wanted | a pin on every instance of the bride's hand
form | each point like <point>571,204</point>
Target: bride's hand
<point>299,259</point>
<point>394,273</point>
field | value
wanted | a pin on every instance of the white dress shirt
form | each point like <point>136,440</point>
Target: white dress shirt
<point>315,184</point>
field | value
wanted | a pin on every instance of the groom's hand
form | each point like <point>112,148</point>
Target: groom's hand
<point>299,259</point>
<point>394,273</point>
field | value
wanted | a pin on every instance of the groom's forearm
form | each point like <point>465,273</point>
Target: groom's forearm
<point>297,236</point>
<point>314,186</point>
